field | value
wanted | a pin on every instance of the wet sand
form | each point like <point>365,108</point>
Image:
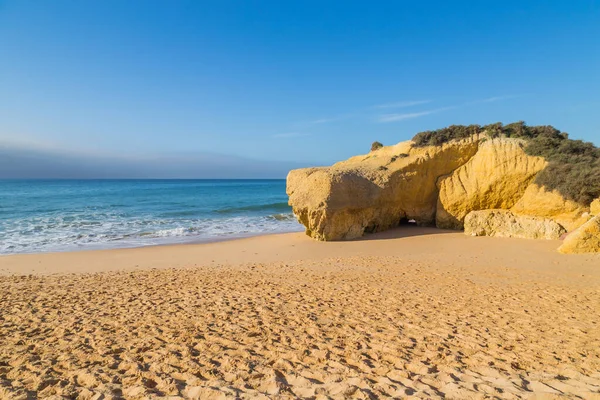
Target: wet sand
<point>412,312</point>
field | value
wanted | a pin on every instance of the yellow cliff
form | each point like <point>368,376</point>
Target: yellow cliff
<point>434,185</point>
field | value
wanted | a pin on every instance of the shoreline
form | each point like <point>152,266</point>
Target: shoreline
<point>419,242</point>
<point>176,241</point>
<point>65,216</point>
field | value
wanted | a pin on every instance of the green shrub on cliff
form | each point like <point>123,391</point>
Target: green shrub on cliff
<point>573,165</point>
<point>516,130</point>
<point>444,135</point>
<point>376,146</point>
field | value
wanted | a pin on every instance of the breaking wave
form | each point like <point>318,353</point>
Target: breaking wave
<point>63,215</point>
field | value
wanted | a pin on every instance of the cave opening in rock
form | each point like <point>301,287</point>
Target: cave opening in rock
<point>407,222</point>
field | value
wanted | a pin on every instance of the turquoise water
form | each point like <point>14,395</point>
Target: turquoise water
<point>64,215</point>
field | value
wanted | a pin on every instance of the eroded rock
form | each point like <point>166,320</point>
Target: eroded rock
<point>537,201</point>
<point>374,192</point>
<point>434,185</point>
<point>495,178</point>
<point>595,207</point>
<point>504,223</point>
<point>586,239</point>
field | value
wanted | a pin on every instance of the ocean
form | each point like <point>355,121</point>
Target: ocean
<point>66,215</point>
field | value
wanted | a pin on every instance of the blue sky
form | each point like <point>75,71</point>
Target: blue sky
<point>304,83</point>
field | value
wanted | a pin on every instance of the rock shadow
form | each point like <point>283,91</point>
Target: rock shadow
<point>405,230</point>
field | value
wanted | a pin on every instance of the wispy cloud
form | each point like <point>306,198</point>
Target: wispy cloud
<point>289,135</point>
<point>323,120</point>
<point>395,117</point>
<point>331,119</point>
<point>402,104</point>
<point>498,98</point>
<point>404,116</point>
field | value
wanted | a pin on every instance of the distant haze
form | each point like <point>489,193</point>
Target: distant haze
<point>24,163</point>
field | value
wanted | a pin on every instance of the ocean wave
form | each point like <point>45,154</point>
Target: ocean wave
<point>281,206</point>
<point>187,213</point>
<point>70,215</point>
<point>62,233</point>
<point>282,217</point>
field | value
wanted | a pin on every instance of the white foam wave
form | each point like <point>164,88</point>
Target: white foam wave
<point>68,232</point>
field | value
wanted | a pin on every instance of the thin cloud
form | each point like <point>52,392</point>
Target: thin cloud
<point>324,120</point>
<point>336,118</point>
<point>331,119</point>
<point>395,117</point>
<point>402,104</point>
<point>404,116</point>
<point>498,98</point>
<point>289,135</point>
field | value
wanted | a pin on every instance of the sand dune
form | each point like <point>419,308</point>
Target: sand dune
<point>405,314</point>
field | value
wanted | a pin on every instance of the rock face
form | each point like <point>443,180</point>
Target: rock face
<point>595,207</point>
<point>586,239</point>
<point>495,178</point>
<point>504,223</point>
<point>433,185</point>
<point>374,192</point>
<point>537,201</point>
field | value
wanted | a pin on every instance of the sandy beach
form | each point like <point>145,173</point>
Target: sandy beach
<point>410,313</point>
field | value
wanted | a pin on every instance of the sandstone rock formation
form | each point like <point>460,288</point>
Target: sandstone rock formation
<point>595,207</point>
<point>586,239</point>
<point>537,201</point>
<point>496,177</point>
<point>433,185</point>
<point>374,192</point>
<point>504,223</point>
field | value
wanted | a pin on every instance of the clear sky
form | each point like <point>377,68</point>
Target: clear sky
<point>288,83</point>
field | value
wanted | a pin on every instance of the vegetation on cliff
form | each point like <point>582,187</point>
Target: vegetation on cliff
<point>573,165</point>
<point>516,130</point>
<point>376,146</point>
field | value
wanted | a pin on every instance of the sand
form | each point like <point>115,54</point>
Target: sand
<point>413,312</point>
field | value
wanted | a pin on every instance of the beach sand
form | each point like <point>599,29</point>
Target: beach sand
<point>412,312</point>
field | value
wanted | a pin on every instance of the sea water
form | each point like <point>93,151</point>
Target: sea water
<point>65,215</point>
